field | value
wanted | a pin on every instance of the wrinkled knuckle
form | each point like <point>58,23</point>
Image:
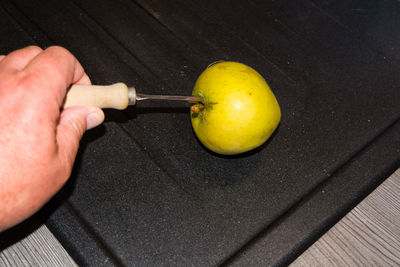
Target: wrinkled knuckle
<point>59,50</point>
<point>78,128</point>
<point>24,79</point>
<point>28,79</point>
<point>34,49</point>
<point>56,70</point>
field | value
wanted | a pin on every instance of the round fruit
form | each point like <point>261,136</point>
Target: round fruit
<point>238,111</point>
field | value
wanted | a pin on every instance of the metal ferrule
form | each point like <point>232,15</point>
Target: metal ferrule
<point>132,95</point>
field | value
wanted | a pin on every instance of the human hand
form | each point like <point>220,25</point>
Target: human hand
<point>38,140</point>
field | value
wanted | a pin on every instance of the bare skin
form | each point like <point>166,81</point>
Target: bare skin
<point>38,140</point>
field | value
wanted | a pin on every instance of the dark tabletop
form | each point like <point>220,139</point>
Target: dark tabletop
<point>144,191</point>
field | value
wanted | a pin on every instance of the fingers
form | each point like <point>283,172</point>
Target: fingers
<point>18,59</point>
<point>46,75</point>
<point>74,121</point>
<point>60,69</point>
<point>85,80</point>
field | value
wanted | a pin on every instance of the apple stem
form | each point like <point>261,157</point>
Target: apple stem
<point>196,108</point>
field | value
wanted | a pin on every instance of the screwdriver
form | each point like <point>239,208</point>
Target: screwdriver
<point>116,96</point>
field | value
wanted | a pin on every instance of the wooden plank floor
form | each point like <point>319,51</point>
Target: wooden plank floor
<point>39,248</point>
<point>368,235</point>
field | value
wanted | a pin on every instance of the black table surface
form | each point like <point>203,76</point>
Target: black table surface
<point>144,191</point>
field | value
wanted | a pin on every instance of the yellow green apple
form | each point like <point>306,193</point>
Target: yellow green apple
<point>238,112</point>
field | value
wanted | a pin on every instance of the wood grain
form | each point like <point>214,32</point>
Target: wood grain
<point>368,236</point>
<point>39,248</point>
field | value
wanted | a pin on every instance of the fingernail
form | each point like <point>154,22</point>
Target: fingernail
<point>94,119</point>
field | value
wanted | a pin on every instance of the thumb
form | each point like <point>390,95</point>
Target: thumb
<point>74,121</point>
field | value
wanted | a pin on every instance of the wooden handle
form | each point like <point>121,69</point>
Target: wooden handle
<point>107,96</point>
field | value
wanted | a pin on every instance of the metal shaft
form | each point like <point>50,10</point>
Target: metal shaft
<point>133,97</point>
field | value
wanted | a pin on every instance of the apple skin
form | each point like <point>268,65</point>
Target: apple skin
<point>238,113</point>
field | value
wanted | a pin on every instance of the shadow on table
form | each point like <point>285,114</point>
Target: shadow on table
<point>19,232</point>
